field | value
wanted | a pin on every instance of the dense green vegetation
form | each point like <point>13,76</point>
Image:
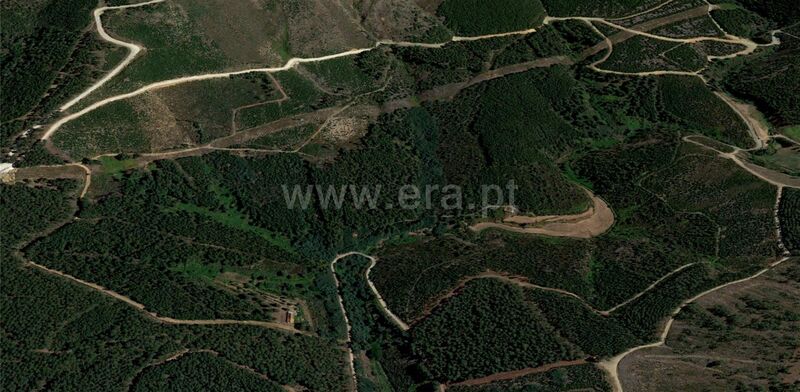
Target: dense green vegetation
<point>453,63</point>
<point>38,40</point>
<point>671,210</point>
<point>547,262</point>
<point>640,54</point>
<point>47,57</point>
<point>770,80</point>
<point>221,235</point>
<point>487,328</point>
<point>476,17</point>
<point>614,8</point>
<point>741,22</point>
<point>201,371</point>
<point>383,357</point>
<point>70,337</point>
<point>689,100</point>
<point>484,140</point>
<point>582,377</point>
<point>782,12</point>
<point>592,333</point>
<point>788,214</point>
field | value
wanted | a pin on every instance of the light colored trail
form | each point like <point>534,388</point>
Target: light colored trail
<point>167,320</point>
<point>53,172</point>
<point>348,341</point>
<point>777,219</point>
<point>186,79</point>
<point>384,307</point>
<point>591,223</point>
<point>611,365</point>
<point>172,82</point>
<point>523,282</point>
<point>749,45</point>
<point>770,176</point>
<point>757,129</point>
<point>652,286</point>
<point>133,50</point>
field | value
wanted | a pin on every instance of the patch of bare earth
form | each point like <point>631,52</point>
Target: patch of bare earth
<point>400,20</point>
<point>246,31</point>
<point>162,129</point>
<point>319,27</point>
<point>742,337</point>
<point>591,223</point>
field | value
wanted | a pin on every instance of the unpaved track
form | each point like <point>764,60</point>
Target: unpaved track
<point>595,221</point>
<point>68,171</point>
<point>519,373</point>
<point>642,30</point>
<point>611,365</point>
<point>757,129</point>
<point>523,282</point>
<point>162,319</point>
<point>133,50</point>
<point>351,367</point>
<point>186,79</point>
<point>384,308</point>
<point>767,175</point>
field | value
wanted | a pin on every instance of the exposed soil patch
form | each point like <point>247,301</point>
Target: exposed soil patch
<point>591,223</point>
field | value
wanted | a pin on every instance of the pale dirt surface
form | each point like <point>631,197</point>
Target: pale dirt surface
<point>612,365</point>
<point>133,50</point>
<point>595,221</point>
<point>683,363</point>
<point>756,124</point>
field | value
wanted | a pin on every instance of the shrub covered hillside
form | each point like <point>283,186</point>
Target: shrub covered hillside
<point>477,17</point>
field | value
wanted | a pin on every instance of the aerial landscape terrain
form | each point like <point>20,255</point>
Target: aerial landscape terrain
<point>400,195</point>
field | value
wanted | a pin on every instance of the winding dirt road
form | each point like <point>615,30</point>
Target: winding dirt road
<point>611,365</point>
<point>351,367</point>
<point>167,320</point>
<point>595,221</point>
<point>66,171</point>
<point>291,63</point>
<point>133,50</point>
<point>773,177</point>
